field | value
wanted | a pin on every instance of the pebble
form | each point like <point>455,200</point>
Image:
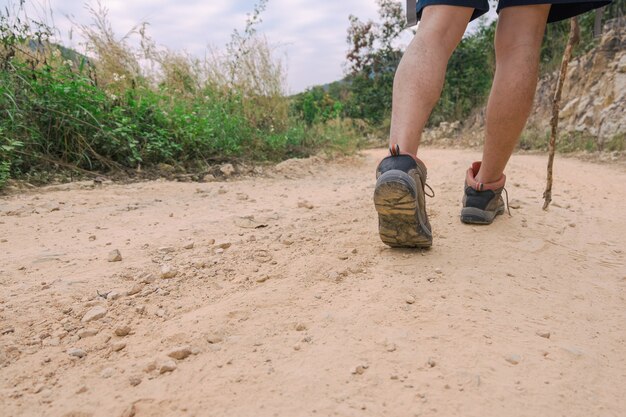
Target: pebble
<point>180,352</point>
<point>438,271</point>
<point>410,299</point>
<point>431,362</point>
<point>576,351</point>
<point>7,330</point>
<point>150,366</point>
<point>113,295</point>
<point>167,249</point>
<point>122,331</point>
<point>55,341</point>
<point>167,366</point>
<point>359,370</point>
<point>85,333</point>
<point>107,373</point>
<point>146,278</point>
<point>513,359</point>
<point>136,289</point>
<point>95,313</point>
<point>115,256</point>
<point>262,279</point>
<point>391,347</point>
<point>189,245</point>
<point>168,272</point>
<point>214,339</point>
<point>544,334</point>
<point>300,327</point>
<point>224,245</point>
<point>227,170</point>
<point>135,380</point>
<point>117,346</point>
<point>77,353</point>
<point>305,204</point>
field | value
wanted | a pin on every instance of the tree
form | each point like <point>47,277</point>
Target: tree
<point>372,61</point>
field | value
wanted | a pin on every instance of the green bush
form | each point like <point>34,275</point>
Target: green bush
<point>60,108</point>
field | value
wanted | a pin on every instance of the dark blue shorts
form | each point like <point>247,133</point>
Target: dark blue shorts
<point>561,9</point>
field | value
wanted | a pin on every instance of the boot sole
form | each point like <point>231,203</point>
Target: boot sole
<point>473,215</point>
<point>401,207</point>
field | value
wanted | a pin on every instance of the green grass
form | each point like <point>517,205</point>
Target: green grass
<point>105,113</point>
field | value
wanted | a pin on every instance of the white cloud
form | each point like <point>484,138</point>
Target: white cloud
<point>311,33</point>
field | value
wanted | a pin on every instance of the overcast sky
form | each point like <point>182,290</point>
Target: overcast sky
<point>310,33</point>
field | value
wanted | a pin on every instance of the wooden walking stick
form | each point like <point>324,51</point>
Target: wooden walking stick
<point>572,41</point>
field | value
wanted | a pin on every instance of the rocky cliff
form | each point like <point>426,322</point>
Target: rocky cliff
<point>594,93</point>
<point>593,104</point>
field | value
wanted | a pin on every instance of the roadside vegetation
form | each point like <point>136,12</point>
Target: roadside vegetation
<point>125,104</point>
<point>375,51</point>
<point>119,107</point>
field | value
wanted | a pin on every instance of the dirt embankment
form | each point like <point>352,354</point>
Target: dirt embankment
<point>275,297</point>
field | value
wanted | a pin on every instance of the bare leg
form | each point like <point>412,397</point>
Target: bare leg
<point>518,41</point>
<point>421,73</point>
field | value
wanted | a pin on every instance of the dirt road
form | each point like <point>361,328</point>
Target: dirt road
<point>274,297</point>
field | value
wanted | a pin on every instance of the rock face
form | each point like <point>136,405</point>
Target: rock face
<point>592,102</point>
<point>594,92</point>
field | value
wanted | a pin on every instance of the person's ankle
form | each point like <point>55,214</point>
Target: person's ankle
<point>487,180</point>
<point>476,179</point>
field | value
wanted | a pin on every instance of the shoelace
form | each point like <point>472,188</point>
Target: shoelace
<point>508,208</point>
<point>432,192</point>
<point>394,150</point>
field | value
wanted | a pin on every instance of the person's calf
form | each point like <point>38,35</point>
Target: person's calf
<point>518,42</point>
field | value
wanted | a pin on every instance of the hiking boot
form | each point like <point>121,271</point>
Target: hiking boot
<point>481,202</point>
<point>400,201</point>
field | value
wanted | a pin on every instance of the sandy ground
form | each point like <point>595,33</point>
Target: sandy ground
<point>289,305</point>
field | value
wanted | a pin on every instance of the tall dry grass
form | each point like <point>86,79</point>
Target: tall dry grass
<point>125,101</point>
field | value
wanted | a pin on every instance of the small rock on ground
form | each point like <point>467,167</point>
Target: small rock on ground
<point>214,339</point>
<point>168,272</point>
<point>167,366</point>
<point>513,359</point>
<point>115,256</point>
<point>77,353</point>
<point>122,331</point>
<point>359,370</point>
<point>85,333</point>
<point>227,170</point>
<point>117,346</point>
<point>95,313</point>
<point>180,352</point>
